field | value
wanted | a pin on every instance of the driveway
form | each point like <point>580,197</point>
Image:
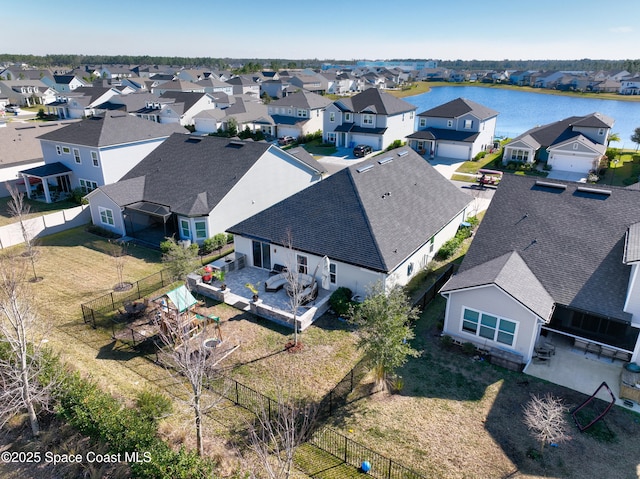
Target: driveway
<point>567,176</point>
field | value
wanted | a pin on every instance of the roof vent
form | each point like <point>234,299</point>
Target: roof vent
<point>548,184</point>
<point>364,168</point>
<point>403,153</point>
<point>385,160</point>
<point>236,144</point>
<point>593,191</point>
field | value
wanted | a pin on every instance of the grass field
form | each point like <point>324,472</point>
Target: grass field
<point>457,417</point>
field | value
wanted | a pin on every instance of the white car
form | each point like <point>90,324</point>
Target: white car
<point>12,109</point>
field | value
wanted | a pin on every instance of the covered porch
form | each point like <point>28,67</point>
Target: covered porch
<point>48,183</point>
<point>149,223</point>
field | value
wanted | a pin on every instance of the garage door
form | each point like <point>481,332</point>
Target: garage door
<point>571,163</point>
<point>370,140</point>
<point>448,150</point>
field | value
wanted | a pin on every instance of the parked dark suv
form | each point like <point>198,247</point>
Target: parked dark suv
<point>361,151</point>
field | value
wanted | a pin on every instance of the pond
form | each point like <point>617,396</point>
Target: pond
<point>520,111</point>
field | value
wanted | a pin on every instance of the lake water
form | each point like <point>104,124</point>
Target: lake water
<point>520,111</point>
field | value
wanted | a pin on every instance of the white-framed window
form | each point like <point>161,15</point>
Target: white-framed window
<point>432,243</point>
<point>201,229</point>
<point>333,272</point>
<point>367,119</point>
<point>302,113</point>
<point>520,155</point>
<point>601,131</point>
<point>76,155</point>
<point>66,150</point>
<point>331,137</point>
<point>449,123</point>
<point>58,149</point>
<point>423,122</point>
<point>94,159</point>
<point>185,231</point>
<point>87,185</point>
<point>347,116</point>
<point>289,111</point>
<point>409,269</point>
<point>332,116</point>
<point>106,216</point>
<point>468,124</point>
<point>411,115</point>
<point>489,326</point>
<point>302,263</point>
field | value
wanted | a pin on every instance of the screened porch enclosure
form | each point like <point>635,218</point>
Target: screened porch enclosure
<point>149,222</point>
<point>613,332</point>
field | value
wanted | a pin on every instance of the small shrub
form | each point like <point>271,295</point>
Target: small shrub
<point>546,167</point>
<point>229,238</point>
<point>473,220</point>
<point>340,300</point>
<point>153,405</point>
<point>480,155</point>
<point>449,248</point>
<point>394,144</point>
<point>103,232</point>
<point>167,245</point>
<point>446,341</point>
<point>468,348</point>
<point>77,196</point>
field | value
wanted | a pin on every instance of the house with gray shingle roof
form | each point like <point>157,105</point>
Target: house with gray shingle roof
<point>380,220</point>
<point>575,144</point>
<point>551,258</point>
<point>372,117</point>
<point>194,187</point>
<point>94,152</point>
<point>247,114</point>
<point>297,114</point>
<point>458,129</point>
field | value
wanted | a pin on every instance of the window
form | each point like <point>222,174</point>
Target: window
<point>331,137</point>
<point>411,115</point>
<point>601,131</point>
<point>302,113</point>
<point>87,185</point>
<point>261,255</point>
<point>409,269</point>
<point>575,146</point>
<point>332,273</point>
<point>76,155</point>
<point>431,244</point>
<point>367,119</point>
<point>332,116</point>
<point>106,216</point>
<point>66,150</point>
<point>185,231</point>
<point>58,149</point>
<point>302,264</point>
<point>201,229</point>
<point>94,159</point>
<point>468,124</point>
<point>423,122</point>
<point>449,123</point>
<point>347,117</point>
<point>520,155</point>
<point>489,326</point>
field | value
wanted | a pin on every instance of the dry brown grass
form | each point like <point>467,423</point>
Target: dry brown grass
<point>461,418</point>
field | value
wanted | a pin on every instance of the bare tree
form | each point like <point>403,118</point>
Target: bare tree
<point>22,353</point>
<point>188,354</point>
<point>546,419</point>
<point>281,426</point>
<point>120,254</point>
<point>20,210</point>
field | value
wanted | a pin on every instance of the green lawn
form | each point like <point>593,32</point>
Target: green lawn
<point>318,148</point>
<point>623,172</point>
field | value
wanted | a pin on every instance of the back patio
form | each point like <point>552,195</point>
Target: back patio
<point>274,305</point>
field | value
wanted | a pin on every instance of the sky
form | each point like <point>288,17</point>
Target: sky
<point>326,29</point>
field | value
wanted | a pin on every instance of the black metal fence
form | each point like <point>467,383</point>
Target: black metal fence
<point>96,312</point>
<point>340,394</point>
<point>354,453</point>
<point>430,294</point>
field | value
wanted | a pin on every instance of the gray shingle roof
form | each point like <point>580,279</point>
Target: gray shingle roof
<point>375,101</point>
<point>459,107</point>
<point>573,241</point>
<point>111,129</point>
<point>189,174</point>
<point>374,218</point>
<point>303,99</point>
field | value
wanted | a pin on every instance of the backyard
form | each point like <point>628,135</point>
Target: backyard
<point>455,416</point>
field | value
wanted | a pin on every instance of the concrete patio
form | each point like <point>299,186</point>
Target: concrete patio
<point>579,370</point>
